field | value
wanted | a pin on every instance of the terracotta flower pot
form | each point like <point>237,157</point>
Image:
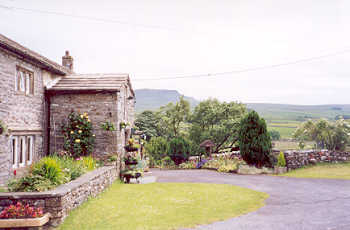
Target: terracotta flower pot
<point>28,222</point>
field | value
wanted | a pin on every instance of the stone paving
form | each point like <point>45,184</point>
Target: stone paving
<point>293,204</point>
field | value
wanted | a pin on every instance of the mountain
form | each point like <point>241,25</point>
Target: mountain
<point>152,99</point>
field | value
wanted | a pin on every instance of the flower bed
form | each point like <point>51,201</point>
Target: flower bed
<point>50,172</point>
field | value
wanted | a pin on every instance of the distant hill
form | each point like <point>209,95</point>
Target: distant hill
<point>299,112</point>
<point>152,99</point>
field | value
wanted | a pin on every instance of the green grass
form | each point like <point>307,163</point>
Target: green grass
<point>3,189</point>
<point>327,171</point>
<point>163,206</point>
<point>291,145</point>
<point>285,132</point>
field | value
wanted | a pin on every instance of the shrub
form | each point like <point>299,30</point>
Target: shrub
<point>78,137</point>
<point>30,183</point>
<point>222,165</point>
<point>20,211</point>
<point>281,160</point>
<point>49,168</point>
<point>157,148</point>
<point>179,150</point>
<point>167,162</point>
<point>188,165</point>
<point>254,141</point>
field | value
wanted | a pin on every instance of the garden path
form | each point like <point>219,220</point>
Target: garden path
<point>293,204</point>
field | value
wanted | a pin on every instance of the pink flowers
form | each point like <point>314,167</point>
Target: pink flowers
<point>20,211</point>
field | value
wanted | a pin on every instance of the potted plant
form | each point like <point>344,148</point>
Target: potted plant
<point>130,160</point>
<point>2,128</point>
<point>21,215</point>
<point>280,168</point>
<point>123,125</point>
<point>107,126</point>
<point>131,147</point>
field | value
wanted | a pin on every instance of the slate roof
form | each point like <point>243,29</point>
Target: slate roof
<point>32,56</point>
<point>92,82</point>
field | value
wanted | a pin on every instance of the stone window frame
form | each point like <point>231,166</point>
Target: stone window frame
<point>22,150</point>
<point>24,81</point>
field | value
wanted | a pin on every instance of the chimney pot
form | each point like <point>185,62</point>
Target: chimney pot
<point>67,61</point>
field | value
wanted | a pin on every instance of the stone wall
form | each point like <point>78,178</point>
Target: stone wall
<point>22,114</point>
<point>65,197</point>
<point>298,159</point>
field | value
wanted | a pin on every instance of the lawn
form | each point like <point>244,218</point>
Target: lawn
<point>328,171</point>
<point>163,206</point>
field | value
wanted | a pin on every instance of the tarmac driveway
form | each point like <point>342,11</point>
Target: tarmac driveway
<point>293,203</point>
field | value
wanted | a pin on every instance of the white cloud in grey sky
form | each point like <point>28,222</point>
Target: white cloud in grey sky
<point>196,37</point>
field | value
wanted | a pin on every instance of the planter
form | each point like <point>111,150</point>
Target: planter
<point>28,222</point>
<point>128,176</point>
<point>131,162</point>
<point>280,170</point>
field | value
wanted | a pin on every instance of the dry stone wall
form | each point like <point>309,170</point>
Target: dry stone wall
<point>298,159</point>
<point>66,197</point>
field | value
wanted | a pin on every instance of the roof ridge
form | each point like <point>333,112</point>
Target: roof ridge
<point>17,48</point>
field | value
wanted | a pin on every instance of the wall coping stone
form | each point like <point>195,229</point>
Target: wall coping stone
<point>60,190</point>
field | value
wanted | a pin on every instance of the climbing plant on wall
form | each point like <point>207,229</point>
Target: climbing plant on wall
<point>78,135</point>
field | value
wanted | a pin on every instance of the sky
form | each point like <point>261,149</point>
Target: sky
<point>161,39</point>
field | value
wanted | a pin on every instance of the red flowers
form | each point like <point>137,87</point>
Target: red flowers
<point>20,211</point>
<point>14,172</point>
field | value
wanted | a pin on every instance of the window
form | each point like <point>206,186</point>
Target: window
<point>24,81</point>
<point>22,148</point>
<point>30,147</point>
<point>22,151</point>
<point>14,151</point>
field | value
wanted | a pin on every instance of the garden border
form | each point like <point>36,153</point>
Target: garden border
<point>59,201</point>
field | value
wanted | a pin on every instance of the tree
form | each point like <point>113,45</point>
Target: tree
<point>216,121</point>
<point>149,123</point>
<point>179,150</point>
<point>333,136</point>
<point>275,135</point>
<point>157,148</point>
<point>254,141</point>
<point>173,116</point>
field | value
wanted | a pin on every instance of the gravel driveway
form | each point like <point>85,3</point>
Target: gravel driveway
<point>293,203</point>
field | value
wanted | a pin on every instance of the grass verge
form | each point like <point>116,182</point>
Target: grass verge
<point>162,206</point>
<point>327,171</point>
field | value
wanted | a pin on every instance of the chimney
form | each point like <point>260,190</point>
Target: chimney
<point>67,61</point>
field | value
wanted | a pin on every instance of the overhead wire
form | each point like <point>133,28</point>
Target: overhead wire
<point>232,72</point>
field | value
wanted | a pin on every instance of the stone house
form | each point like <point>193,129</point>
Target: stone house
<point>36,96</point>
